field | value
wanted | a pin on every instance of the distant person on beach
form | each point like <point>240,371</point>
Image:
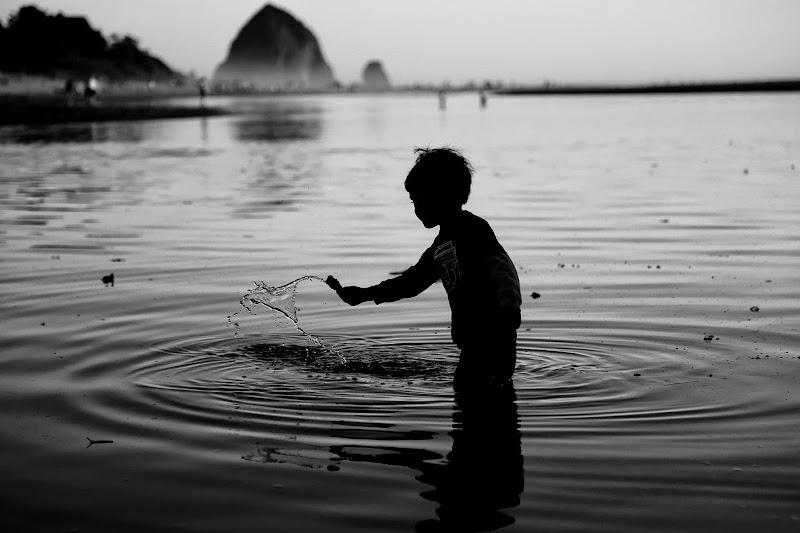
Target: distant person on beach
<point>479,277</point>
<point>69,90</point>
<point>442,100</point>
<point>202,90</point>
<point>90,90</point>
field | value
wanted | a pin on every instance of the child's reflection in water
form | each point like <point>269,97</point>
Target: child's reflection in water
<point>483,476</point>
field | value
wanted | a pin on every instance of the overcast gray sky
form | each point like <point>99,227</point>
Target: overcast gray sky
<point>523,41</point>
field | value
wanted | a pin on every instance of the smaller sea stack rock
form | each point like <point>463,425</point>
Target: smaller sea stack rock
<point>374,78</point>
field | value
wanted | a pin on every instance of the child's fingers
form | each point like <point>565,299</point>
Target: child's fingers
<point>333,283</point>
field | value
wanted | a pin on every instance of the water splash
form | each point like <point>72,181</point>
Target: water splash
<point>282,300</point>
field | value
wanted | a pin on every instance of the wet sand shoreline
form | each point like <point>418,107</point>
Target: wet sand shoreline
<point>57,109</point>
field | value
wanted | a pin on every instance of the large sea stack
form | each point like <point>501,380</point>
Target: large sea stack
<point>274,50</point>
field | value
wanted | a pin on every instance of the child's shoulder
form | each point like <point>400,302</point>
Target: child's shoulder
<point>474,223</point>
<point>477,231</point>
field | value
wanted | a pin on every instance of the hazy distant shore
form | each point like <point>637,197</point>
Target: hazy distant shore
<point>43,106</point>
<point>712,87</point>
<point>55,109</point>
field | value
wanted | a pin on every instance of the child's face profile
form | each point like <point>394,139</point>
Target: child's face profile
<point>426,208</point>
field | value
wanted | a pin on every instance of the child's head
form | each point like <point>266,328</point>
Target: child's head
<point>438,183</point>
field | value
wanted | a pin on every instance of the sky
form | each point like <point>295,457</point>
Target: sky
<point>515,41</point>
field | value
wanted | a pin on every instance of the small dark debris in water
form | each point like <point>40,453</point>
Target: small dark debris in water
<point>636,374</point>
<point>108,280</point>
<point>664,221</point>
<point>755,309</point>
<point>535,295</point>
<point>332,468</point>
<point>649,267</point>
<point>118,260</point>
<point>746,171</point>
<point>708,338</point>
<point>658,267</point>
<point>792,166</point>
<point>711,375</point>
<point>561,265</point>
<point>768,281</point>
<point>42,323</point>
<point>55,257</point>
<point>92,442</point>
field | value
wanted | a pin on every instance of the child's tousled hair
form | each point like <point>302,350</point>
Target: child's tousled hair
<point>441,171</point>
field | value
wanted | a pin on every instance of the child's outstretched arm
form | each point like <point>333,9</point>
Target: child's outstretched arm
<point>408,284</point>
<point>351,295</point>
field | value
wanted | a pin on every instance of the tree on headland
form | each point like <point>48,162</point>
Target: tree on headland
<point>35,42</point>
<point>132,62</point>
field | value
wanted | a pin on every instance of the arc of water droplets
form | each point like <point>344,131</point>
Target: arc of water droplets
<point>281,299</point>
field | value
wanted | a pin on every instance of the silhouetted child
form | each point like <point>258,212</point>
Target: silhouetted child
<point>479,277</point>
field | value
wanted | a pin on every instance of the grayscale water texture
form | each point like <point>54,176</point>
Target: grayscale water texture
<point>658,375</point>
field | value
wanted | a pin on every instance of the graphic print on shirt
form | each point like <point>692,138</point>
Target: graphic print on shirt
<point>445,257</point>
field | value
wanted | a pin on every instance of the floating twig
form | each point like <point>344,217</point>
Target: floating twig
<point>91,441</point>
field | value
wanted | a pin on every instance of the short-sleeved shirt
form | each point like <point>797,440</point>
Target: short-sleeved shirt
<point>478,275</point>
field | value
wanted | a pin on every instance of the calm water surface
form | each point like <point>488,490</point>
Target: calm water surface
<point>658,377</point>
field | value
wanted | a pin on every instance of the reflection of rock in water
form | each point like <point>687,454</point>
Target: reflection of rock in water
<point>277,180</point>
<point>271,123</point>
<point>267,128</point>
<point>93,132</point>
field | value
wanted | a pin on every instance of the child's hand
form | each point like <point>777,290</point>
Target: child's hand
<point>333,283</point>
<point>350,295</point>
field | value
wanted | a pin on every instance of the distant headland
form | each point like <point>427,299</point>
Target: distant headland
<point>37,43</point>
